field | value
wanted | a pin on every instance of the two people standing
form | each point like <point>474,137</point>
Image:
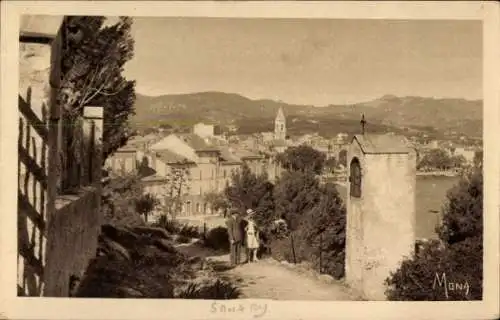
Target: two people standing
<point>243,234</point>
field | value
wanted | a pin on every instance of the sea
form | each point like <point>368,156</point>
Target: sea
<point>430,199</point>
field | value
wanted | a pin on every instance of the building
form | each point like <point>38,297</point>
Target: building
<point>201,165</point>
<point>380,230</point>
<point>123,161</point>
<point>280,125</point>
<point>204,130</point>
<point>467,153</point>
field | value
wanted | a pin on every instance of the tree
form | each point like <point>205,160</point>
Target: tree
<point>458,253</point>
<point>302,158</point>
<point>175,188</point>
<point>343,157</point>
<point>217,201</point>
<point>478,158</point>
<point>93,61</point>
<point>295,194</point>
<point>248,190</point>
<point>463,213</point>
<point>458,161</point>
<point>436,159</point>
<point>145,204</point>
<point>118,200</point>
<point>325,231</point>
<point>330,164</point>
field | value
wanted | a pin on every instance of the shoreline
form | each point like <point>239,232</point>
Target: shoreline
<point>437,173</point>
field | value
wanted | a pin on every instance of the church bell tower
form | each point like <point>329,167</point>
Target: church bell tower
<point>280,125</point>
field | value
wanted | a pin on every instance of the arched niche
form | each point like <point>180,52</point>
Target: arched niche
<point>355,178</point>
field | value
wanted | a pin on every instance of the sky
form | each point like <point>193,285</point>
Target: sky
<point>308,61</point>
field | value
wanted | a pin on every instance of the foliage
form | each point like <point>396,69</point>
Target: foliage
<point>174,227</point>
<point>183,239</point>
<point>189,231</point>
<point>295,194</point>
<point>478,158</point>
<point>302,158</point>
<point>417,278</point>
<point>93,60</point>
<point>458,254</point>
<point>119,195</point>
<point>343,157</point>
<point>175,188</point>
<point>281,249</point>
<point>248,190</point>
<point>170,225</point>
<point>217,239</point>
<point>145,204</point>
<point>217,201</point>
<point>330,164</point>
<point>463,213</point>
<point>441,160</point>
<point>324,228</point>
<point>216,290</point>
<point>145,267</point>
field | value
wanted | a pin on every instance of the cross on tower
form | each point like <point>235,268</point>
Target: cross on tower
<point>363,123</point>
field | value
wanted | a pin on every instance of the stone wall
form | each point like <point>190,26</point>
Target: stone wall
<point>72,243</point>
<point>57,232</point>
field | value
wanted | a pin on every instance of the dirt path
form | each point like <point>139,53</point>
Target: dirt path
<point>269,279</point>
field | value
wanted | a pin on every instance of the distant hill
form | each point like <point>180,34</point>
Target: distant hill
<point>388,113</point>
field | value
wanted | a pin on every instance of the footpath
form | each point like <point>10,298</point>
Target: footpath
<point>270,279</point>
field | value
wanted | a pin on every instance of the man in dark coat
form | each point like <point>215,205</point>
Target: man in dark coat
<point>235,232</point>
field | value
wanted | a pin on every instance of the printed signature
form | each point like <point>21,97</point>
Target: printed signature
<point>255,309</point>
<point>442,281</point>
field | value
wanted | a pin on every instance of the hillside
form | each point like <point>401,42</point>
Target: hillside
<point>383,114</point>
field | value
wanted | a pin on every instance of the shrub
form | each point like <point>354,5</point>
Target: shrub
<point>217,239</point>
<point>458,254</point>
<point>169,225</point>
<point>217,290</point>
<point>183,239</point>
<point>324,230</point>
<point>417,278</point>
<point>295,194</point>
<point>281,249</point>
<point>189,231</point>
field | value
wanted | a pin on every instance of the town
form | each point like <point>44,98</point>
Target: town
<point>212,157</point>
<point>112,206</point>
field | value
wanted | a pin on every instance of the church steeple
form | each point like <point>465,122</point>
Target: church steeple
<point>280,125</point>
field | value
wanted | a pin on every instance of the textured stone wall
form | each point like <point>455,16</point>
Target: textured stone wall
<point>381,224</point>
<point>72,242</point>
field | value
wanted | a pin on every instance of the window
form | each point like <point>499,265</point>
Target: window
<point>355,178</point>
<point>225,173</point>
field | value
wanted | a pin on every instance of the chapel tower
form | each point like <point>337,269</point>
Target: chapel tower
<point>380,230</point>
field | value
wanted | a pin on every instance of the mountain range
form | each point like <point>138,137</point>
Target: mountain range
<point>387,113</point>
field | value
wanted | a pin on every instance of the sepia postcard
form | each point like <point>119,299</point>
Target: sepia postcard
<point>246,160</point>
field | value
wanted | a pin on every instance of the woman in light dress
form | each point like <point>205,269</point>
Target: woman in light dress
<point>252,237</point>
